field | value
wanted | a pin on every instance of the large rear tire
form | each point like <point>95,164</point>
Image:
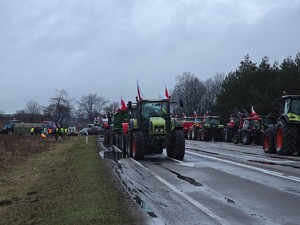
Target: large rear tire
<point>177,148</point>
<point>268,141</point>
<point>205,134</point>
<point>246,138</point>
<point>228,134</point>
<point>195,134</point>
<point>221,135</point>
<point>124,145</point>
<point>285,138</point>
<point>137,145</point>
<point>106,136</point>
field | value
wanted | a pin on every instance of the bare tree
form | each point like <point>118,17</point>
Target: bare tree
<point>213,88</point>
<point>111,107</point>
<point>60,108</point>
<point>33,110</point>
<point>91,105</point>
<point>189,89</point>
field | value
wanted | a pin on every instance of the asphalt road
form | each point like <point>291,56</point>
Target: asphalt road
<point>216,183</point>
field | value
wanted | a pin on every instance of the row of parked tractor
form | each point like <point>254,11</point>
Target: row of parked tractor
<point>278,132</point>
<point>242,127</point>
<point>147,126</point>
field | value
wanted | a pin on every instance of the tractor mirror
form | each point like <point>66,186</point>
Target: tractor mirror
<point>129,105</point>
<point>181,103</point>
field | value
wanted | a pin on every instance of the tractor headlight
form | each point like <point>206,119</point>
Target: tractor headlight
<point>158,128</point>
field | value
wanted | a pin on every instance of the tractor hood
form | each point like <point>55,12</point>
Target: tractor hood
<point>157,126</point>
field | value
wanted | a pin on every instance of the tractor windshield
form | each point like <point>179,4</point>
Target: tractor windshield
<point>155,109</point>
<point>255,124</point>
<point>212,121</point>
<point>295,106</point>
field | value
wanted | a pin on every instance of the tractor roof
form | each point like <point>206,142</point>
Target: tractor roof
<point>291,97</point>
<point>216,117</point>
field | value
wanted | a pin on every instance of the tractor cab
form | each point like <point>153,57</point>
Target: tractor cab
<point>292,108</point>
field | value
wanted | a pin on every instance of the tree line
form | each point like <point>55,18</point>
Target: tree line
<point>251,84</point>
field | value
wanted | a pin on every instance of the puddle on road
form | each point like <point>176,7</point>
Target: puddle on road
<point>113,155</point>
<point>272,163</point>
<point>146,208</point>
<point>190,180</point>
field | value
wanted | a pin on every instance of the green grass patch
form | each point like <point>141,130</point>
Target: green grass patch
<point>69,184</point>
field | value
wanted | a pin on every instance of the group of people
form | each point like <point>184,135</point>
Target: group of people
<point>57,131</point>
<point>36,130</point>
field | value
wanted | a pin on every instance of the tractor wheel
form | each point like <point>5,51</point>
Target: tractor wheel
<point>113,138</point>
<point>285,138</point>
<point>205,134</point>
<point>124,145</point>
<point>246,138</point>
<point>106,136</point>
<point>268,141</point>
<point>228,135</point>
<point>194,134</point>
<point>177,149</point>
<point>137,145</point>
<point>221,135</point>
<point>235,139</point>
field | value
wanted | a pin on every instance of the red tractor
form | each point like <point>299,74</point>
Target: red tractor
<point>197,126</point>
<point>251,130</point>
<point>234,124</point>
<point>187,124</point>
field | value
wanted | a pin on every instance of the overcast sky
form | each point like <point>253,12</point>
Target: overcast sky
<point>104,46</point>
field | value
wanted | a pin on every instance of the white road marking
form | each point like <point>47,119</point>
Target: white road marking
<point>281,175</point>
<point>192,201</point>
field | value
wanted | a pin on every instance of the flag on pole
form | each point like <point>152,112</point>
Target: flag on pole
<point>253,113</point>
<point>166,92</point>
<point>138,90</point>
<point>195,114</point>
<point>123,105</point>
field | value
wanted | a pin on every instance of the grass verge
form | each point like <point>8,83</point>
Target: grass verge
<point>68,184</point>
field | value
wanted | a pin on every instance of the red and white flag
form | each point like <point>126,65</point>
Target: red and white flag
<point>195,114</point>
<point>138,90</point>
<point>253,113</point>
<point>166,92</point>
<point>123,105</point>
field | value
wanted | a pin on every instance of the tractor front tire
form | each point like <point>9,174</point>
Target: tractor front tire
<point>205,134</point>
<point>221,135</point>
<point>268,141</point>
<point>228,135</point>
<point>137,146</point>
<point>177,149</point>
<point>124,145</point>
<point>195,134</point>
<point>285,138</point>
<point>246,138</point>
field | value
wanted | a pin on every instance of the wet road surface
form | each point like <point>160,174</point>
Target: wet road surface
<point>216,183</point>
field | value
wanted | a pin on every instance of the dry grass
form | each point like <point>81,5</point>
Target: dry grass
<point>15,148</point>
<point>64,182</point>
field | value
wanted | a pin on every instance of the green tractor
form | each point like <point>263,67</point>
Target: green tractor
<point>151,129</point>
<point>283,137</point>
<point>115,133</point>
<point>211,129</point>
